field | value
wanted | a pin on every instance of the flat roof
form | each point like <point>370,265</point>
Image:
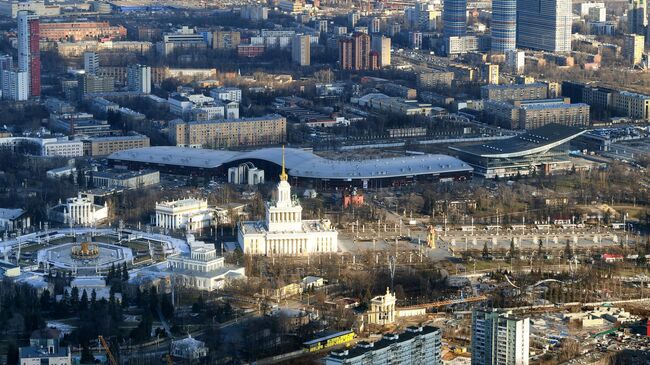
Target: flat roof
<point>387,340</point>
<point>535,141</point>
<point>512,86</point>
<point>122,173</point>
<point>133,137</point>
<point>549,104</point>
<point>11,214</point>
<point>299,163</point>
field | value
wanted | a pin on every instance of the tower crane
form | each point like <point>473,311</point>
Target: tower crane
<point>109,354</point>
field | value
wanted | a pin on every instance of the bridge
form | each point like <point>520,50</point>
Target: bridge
<point>444,303</point>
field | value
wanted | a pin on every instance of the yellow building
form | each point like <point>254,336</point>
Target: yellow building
<point>104,146</point>
<point>270,129</point>
<point>633,48</point>
<point>632,105</point>
<point>490,73</point>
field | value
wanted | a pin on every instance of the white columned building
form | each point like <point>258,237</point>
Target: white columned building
<point>81,210</point>
<point>284,232</point>
<point>201,268</point>
<point>190,214</point>
<point>382,309</point>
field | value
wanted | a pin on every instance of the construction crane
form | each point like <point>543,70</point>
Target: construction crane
<point>111,358</point>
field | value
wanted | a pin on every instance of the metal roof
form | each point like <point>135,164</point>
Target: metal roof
<point>299,163</point>
<point>532,142</point>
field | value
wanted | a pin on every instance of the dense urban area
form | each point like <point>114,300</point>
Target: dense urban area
<point>333,182</point>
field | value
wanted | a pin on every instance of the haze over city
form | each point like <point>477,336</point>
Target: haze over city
<point>330,182</point>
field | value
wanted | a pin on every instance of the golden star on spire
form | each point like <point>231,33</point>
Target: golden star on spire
<point>283,175</point>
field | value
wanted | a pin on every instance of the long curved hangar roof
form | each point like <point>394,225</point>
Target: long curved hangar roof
<point>532,142</point>
<point>299,163</point>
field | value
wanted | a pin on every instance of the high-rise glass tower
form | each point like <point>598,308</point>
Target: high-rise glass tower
<point>544,25</point>
<point>454,18</point>
<point>637,16</point>
<point>504,25</point>
<point>29,54</point>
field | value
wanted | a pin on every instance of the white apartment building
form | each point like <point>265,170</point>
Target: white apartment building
<point>284,232</point>
<point>15,85</point>
<point>212,112</point>
<point>201,268</point>
<point>515,61</point>
<point>139,78</point>
<point>190,214</point>
<point>499,338</point>
<point>254,13</point>
<point>50,147</point>
<point>216,110</point>
<point>226,93</point>
<point>61,148</point>
<point>415,346</point>
<point>183,38</point>
<point>91,63</point>
<point>586,7</point>
<point>179,104</point>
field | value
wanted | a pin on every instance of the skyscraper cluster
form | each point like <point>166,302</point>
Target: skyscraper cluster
<point>534,24</point>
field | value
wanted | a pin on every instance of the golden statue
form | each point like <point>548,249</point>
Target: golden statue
<point>431,237</point>
<point>85,250</point>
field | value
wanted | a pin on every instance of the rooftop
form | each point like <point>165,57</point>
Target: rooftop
<point>532,142</point>
<point>388,340</point>
<point>512,86</point>
<point>549,104</point>
<point>299,163</point>
<point>41,352</point>
<point>5,265</point>
<point>325,338</point>
<point>308,225</point>
<point>135,136</point>
<point>182,203</point>
<point>240,120</point>
<point>633,94</point>
<point>11,213</point>
<point>121,173</point>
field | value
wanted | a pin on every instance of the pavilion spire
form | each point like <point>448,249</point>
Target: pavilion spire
<point>283,175</point>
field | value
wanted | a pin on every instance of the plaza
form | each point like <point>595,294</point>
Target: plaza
<point>62,257</point>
